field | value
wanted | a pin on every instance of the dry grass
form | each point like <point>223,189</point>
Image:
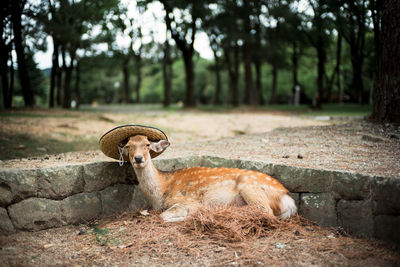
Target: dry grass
<point>241,236</point>
<point>230,224</point>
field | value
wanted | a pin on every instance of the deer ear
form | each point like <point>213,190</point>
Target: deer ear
<point>159,146</point>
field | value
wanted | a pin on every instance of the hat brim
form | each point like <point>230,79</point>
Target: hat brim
<point>110,140</point>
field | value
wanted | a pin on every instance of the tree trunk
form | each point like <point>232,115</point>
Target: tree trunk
<point>67,87</point>
<point>67,81</point>
<point>387,91</point>
<point>338,62</point>
<point>188,60</point>
<point>19,49</point>
<point>138,77</point>
<point>77,81</point>
<point>251,98</point>
<point>6,87</point>
<point>235,76</point>
<point>187,50</point>
<point>357,82</point>
<point>12,77</point>
<point>59,80</point>
<point>295,67</point>
<point>274,84</point>
<point>126,97</point>
<point>258,67</point>
<point>250,95</point>
<point>53,75</point>
<point>167,74</point>
<point>335,73</point>
<point>217,97</point>
<point>232,62</point>
<point>320,76</point>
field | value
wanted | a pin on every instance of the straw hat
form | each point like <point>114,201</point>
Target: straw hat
<point>110,140</point>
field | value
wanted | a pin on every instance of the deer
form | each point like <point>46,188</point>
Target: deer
<point>180,193</point>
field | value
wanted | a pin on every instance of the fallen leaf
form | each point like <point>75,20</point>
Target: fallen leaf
<point>144,212</point>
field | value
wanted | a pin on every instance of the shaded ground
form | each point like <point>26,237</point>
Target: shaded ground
<point>133,239</point>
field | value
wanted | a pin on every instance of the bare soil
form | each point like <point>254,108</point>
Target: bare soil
<point>352,145</point>
<point>131,239</point>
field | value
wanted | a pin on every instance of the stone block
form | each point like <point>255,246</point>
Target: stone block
<point>36,214</point>
<point>6,226</point>
<point>351,186</point>
<point>60,182</point>
<point>356,217</point>
<point>215,162</point>
<point>177,163</point>
<point>386,192</point>
<point>81,207</point>
<point>256,165</point>
<point>296,198</point>
<point>139,200</point>
<point>6,196</point>
<point>116,198</point>
<point>297,179</point>
<point>387,228</point>
<point>319,207</point>
<point>99,175</point>
<point>17,184</point>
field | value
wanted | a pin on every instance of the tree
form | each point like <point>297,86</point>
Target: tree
<point>68,22</point>
<point>211,27</point>
<point>224,32</point>
<point>183,32</point>
<point>167,71</point>
<point>248,46</point>
<point>319,39</point>
<point>351,21</point>
<point>292,34</point>
<point>387,89</point>
<point>5,54</point>
<point>138,65</point>
<point>17,6</point>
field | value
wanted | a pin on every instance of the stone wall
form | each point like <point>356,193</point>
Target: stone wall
<point>33,199</point>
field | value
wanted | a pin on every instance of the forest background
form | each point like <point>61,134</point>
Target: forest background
<point>105,52</point>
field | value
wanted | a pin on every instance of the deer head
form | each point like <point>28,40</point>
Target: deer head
<point>137,149</point>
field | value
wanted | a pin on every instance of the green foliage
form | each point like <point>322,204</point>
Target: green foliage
<point>277,30</point>
<point>103,236</point>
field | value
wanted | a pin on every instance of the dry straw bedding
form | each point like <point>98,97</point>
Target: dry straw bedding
<point>220,236</point>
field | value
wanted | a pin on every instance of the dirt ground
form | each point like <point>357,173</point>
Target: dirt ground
<point>86,128</point>
<point>132,239</point>
<point>286,138</point>
<point>135,239</point>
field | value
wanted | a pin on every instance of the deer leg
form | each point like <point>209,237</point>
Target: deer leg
<point>266,198</point>
<point>179,211</point>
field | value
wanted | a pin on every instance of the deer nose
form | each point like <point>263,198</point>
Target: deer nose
<point>138,159</point>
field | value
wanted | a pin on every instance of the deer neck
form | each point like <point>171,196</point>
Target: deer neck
<point>151,183</point>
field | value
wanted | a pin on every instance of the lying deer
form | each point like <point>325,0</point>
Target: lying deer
<point>182,192</point>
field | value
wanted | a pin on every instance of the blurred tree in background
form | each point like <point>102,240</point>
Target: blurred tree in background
<point>112,51</point>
